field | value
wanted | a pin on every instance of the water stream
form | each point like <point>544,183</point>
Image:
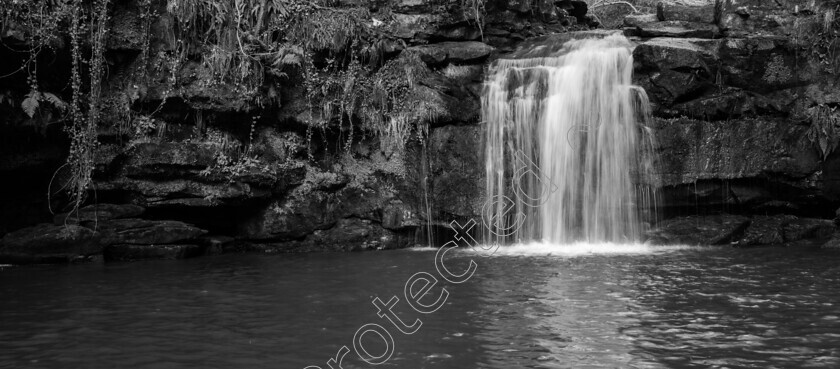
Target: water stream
<point>574,122</point>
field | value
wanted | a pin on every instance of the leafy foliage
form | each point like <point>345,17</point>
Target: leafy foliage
<point>341,56</point>
<point>824,131</point>
<point>818,34</point>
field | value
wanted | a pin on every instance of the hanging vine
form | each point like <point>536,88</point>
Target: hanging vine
<point>82,131</point>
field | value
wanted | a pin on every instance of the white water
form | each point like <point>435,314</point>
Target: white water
<point>584,171</point>
<point>576,249</point>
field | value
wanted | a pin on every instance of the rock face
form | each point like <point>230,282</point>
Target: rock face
<point>49,243</point>
<point>744,113</point>
<point>740,117</point>
<point>740,231</point>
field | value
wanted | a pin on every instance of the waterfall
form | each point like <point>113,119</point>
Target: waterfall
<point>570,130</point>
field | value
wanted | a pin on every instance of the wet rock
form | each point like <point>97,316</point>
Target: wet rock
<point>678,29</point>
<point>808,228</point>
<point>466,52</point>
<point>442,100</point>
<point>699,230</point>
<point>98,213</point>
<point>732,103</point>
<point>457,171</point>
<point>49,243</point>
<point>765,230</point>
<point>147,232</point>
<point>551,44</point>
<point>347,234</point>
<point>354,235</point>
<point>694,12</point>
<point>145,252</point>
<point>675,69</point>
<point>746,148</point>
<point>833,243</point>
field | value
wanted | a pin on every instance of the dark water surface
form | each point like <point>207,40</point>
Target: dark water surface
<point>634,307</point>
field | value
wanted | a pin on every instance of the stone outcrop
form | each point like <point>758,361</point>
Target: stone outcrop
<point>44,243</point>
<point>699,230</point>
<point>92,214</point>
<point>740,116</point>
<point>740,231</point>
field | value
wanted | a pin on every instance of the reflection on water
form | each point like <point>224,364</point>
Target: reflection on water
<point>527,306</point>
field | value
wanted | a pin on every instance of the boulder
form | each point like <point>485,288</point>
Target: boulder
<point>49,243</point>
<point>699,230</point>
<point>98,213</point>
<point>147,232</point>
<point>765,230</point>
<point>124,252</point>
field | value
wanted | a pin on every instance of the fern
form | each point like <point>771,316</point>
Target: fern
<point>56,102</point>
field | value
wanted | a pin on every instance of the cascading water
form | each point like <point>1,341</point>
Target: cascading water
<point>570,130</point>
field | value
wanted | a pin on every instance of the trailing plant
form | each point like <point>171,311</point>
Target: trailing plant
<point>824,129</point>
<point>44,24</point>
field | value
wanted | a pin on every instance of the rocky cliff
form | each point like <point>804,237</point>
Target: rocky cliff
<point>348,126</point>
<point>240,144</point>
<point>744,98</point>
